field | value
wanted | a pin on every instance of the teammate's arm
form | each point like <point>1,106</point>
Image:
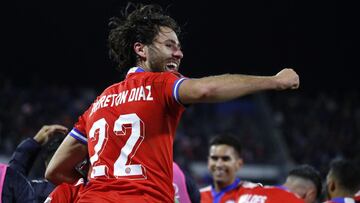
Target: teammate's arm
<point>62,165</point>
<point>230,86</point>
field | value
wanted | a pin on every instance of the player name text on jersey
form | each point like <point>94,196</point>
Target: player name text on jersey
<point>252,199</point>
<point>135,94</point>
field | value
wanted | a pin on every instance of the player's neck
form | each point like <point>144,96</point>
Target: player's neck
<point>143,66</point>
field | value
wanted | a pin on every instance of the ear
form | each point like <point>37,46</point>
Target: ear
<point>240,162</point>
<point>311,195</point>
<point>140,49</point>
<point>331,186</point>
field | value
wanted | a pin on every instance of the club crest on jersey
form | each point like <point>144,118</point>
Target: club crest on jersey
<point>135,94</point>
<point>128,170</point>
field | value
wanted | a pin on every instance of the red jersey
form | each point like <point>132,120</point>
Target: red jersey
<point>228,194</point>
<point>65,193</point>
<point>129,131</point>
<point>268,195</point>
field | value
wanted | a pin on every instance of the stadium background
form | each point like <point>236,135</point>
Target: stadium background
<point>54,62</point>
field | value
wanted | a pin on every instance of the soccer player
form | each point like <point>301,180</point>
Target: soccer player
<point>186,190</point>
<point>342,181</point>
<point>129,130</point>
<point>28,150</point>
<point>303,185</point>
<point>224,161</point>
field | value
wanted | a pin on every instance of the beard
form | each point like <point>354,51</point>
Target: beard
<point>158,60</point>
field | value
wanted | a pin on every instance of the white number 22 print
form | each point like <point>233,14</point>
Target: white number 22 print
<point>121,125</point>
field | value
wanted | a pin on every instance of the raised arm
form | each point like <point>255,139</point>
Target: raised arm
<point>62,165</point>
<point>230,86</point>
<point>25,153</point>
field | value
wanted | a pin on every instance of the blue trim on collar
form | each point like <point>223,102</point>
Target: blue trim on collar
<point>282,187</point>
<point>342,200</point>
<point>218,195</point>
<point>135,70</point>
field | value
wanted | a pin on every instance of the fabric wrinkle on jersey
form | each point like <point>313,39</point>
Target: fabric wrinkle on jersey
<point>228,194</point>
<point>133,122</point>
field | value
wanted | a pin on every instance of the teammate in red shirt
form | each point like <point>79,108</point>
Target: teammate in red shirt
<point>269,194</point>
<point>128,131</point>
<point>303,185</point>
<point>343,181</point>
<point>65,192</point>
<point>224,162</point>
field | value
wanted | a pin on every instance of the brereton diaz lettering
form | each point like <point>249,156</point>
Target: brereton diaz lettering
<point>136,94</point>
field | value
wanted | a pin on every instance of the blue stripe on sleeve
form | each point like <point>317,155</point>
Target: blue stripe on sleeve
<point>176,89</point>
<point>78,136</point>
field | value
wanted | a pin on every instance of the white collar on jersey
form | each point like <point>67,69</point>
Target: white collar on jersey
<point>135,70</point>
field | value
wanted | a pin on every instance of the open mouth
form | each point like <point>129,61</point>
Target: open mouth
<point>171,66</point>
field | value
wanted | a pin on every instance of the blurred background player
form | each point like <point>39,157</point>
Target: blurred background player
<point>357,197</point>
<point>45,142</point>
<point>343,181</point>
<point>303,185</point>
<point>186,190</point>
<point>14,187</point>
<point>224,161</point>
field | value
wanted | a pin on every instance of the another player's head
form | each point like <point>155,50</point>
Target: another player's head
<point>343,178</point>
<point>224,160</point>
<point>147,37</point>
<point>305,181</point>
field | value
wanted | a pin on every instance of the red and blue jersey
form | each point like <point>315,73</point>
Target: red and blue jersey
<point>268,194</point>
<point>227,194</point>
<point>129,131</point>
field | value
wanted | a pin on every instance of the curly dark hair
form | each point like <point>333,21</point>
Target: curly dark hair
<point>138,23</point>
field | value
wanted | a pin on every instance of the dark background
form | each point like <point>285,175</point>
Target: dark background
<point>64,42</point>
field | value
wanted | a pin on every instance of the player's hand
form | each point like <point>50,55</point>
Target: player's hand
<point>287,78</point>
<point>48,131</point>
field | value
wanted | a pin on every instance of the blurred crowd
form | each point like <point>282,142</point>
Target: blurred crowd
<point>24,110</point>
<point>319,126</point>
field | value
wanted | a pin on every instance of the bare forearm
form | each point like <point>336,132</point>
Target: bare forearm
<point>62,165</point>
<point>65,176</point>
<point>230,86</point>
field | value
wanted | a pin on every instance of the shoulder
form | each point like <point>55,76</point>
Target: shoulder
<point>247,184</point>
<point>205,189</point>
